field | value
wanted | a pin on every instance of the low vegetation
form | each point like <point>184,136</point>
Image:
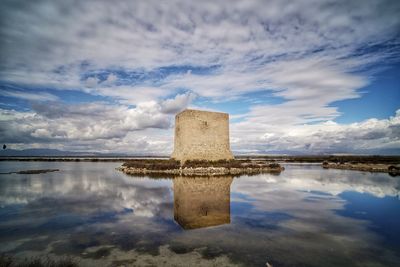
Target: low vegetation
<point>170,164</point>
<point>393,170</point>
<point>153,164</point>
<point>9,261</point>
<point>62,159</point>
<point>354,159</point>
<point>199,167</point>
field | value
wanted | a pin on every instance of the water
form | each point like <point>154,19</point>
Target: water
<point>306,216</point>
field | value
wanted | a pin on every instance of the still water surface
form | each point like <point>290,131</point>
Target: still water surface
<point>306,216</point>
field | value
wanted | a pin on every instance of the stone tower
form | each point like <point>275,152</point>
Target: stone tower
<point>201,135</point>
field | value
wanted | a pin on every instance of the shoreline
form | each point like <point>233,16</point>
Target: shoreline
<point>392,170</point>
<point>240,165</point>
<point>198,168</point>
<point>201,171</point>
<point>40,171</point>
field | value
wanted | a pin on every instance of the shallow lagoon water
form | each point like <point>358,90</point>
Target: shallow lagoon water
<point>306,216</point>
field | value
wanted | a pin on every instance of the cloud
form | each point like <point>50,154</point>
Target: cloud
<point>111,79</point>
<point>136,35</point>
<point>147,130</point>
<point>142,129</point>
<point>129,95</point>
<point>141,56</point>
<point>30,96</point>
<point>92,82</point>
<point>333,182</point>
<point>142,208</point>
<point>136,196</point>
<point>173,106</point>
<point>262,134</point>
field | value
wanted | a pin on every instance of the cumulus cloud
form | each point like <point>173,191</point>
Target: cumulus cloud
<point>367,136</point>
<point>141,56</point>
<point>177,104</point>
<point>94,125</point>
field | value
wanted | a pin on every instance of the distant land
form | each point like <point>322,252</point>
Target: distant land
<point>44,152</point>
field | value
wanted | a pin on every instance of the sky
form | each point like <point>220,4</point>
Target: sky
<point>296,77</point>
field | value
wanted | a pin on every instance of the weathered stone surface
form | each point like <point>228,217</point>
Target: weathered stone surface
<point>201,135</point>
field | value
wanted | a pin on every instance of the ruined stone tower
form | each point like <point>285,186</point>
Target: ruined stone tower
<point>201,135</point>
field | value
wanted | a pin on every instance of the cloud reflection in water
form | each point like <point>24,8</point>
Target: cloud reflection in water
<point>290,219</point>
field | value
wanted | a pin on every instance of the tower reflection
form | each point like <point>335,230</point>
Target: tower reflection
<point>202,201</point>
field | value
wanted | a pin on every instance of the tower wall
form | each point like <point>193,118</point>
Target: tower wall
<point>201,135</point>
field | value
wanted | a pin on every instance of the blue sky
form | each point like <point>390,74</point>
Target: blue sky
<point>297,77</point>
<point>380,99</point>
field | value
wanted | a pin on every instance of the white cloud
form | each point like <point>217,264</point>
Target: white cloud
<point>130,95</point>
<point>142,198</point>
<point>147,130</point>
<point>146,35</point>
<point>260,134</point>
<point>111,79</point>
<point>143,129</point>
<point>30,96</point>
<point>173,106</point>
<point>92,82</point>
<point>309,54</point>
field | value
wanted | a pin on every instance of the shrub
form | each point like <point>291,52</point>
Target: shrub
<point>156,164</point>
<point>153,164</point>
<point>274,165</point>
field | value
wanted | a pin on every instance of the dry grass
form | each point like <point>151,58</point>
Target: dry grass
<point>219,163</point>
<point>354,159</point>
<point>153,164</point>
<point>159,164</point>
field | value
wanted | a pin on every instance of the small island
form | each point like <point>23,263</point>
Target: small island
<point>393,170</point>
<point>198,167</point>
<point>201,148</point>
<point>387,164</point>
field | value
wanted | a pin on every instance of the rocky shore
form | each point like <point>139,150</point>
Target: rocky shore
<point>368,167</point>
<point>198,168</point>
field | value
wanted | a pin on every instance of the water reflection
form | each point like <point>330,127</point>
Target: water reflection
<point>202,201</point>
<point>306,216</point>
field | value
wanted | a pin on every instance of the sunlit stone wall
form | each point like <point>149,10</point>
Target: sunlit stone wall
<point>201,135</point>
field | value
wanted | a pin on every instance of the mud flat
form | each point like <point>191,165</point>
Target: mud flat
<point>367,167</point>
<point>199,168</point>
<point>32,171</point>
